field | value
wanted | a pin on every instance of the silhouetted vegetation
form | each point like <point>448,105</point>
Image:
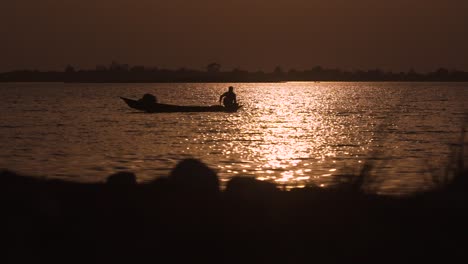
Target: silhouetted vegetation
<point>116,72</point>
<point>187,218</point>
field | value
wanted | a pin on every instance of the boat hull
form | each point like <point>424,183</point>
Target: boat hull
<point>167,108</point>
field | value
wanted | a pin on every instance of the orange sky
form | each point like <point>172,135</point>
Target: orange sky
<point>249,34</point>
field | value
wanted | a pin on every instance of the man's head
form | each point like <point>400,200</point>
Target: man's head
<point>231,88</point>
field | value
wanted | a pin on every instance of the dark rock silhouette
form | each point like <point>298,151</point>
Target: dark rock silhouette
<point>121,179</point>
<point>192,175</point>
<point>249,188</point>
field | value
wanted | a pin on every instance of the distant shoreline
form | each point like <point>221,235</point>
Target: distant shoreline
<point>123,73</point>
<point>229,82</point>
<point>116,82</point>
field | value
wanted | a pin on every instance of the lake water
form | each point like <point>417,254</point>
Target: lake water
<point>294,134</point>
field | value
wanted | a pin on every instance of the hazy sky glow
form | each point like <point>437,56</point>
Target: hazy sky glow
<point>249,34</point>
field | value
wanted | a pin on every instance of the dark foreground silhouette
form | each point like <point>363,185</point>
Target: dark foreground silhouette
<point>186,218</point>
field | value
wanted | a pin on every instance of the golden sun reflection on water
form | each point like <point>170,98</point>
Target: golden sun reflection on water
<point>299,135</point>
<point>287,137</point>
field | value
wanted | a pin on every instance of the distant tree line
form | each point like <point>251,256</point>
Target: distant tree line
<point>116,72</point>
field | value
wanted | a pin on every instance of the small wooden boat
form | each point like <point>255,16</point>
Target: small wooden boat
<point>167,108</point>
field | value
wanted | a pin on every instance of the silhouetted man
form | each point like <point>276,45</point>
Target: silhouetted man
<point>229,98</point>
